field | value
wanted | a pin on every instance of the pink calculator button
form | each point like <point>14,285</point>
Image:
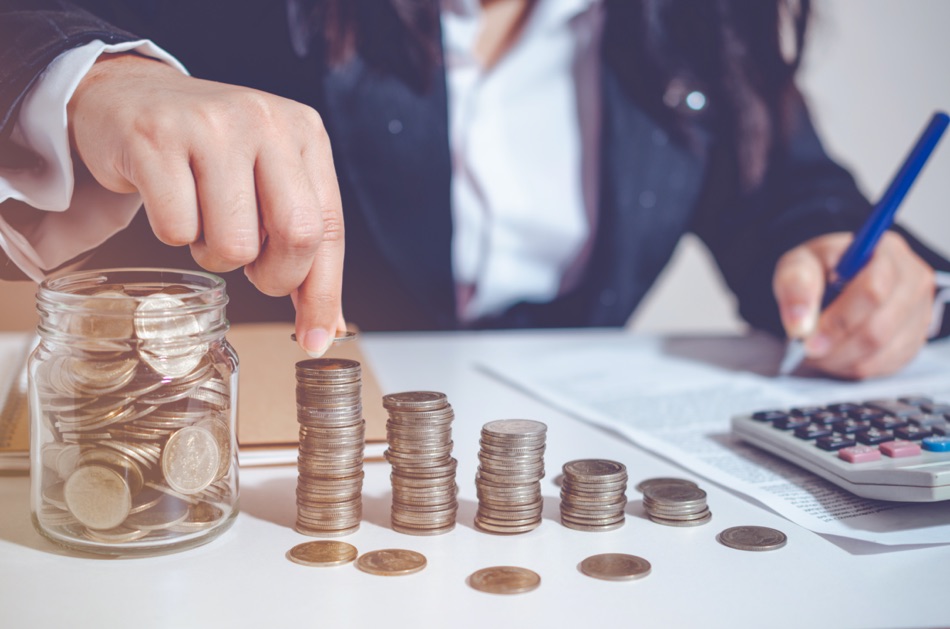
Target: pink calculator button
<point>859,454</point>
<point>900,448</point>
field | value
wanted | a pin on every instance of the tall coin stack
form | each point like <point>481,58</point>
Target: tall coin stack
<point>419,432</point>
<point>332,433</point>
<point>593,495</point>
<point>508,482</point>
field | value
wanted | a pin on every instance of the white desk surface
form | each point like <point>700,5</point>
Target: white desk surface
<point>243,579</point>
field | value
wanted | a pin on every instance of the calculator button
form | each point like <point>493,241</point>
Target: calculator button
<point>848,426</point>
<point>835,442</point>
<point>936,409</point>
<point>807,411</point>
<point>900,448</point>
<point>912,433</point>
<point>926,420</point>
<point>916,400</point>
<point>842,407</point>
<point>812,431</point>
<point>768,416</point>
<point>893,407</point>
<point>859,454</point>
<point>936,444</point>
<point>942,430</point>
<point>873,436</point>
<point>865,414</point>
<point>791,422</point>
<point>888,422</point>
<point>826,418</point>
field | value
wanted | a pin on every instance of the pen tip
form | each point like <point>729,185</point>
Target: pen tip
<point>794,355</point>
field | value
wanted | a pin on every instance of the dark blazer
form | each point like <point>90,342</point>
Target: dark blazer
<point>395,178</point>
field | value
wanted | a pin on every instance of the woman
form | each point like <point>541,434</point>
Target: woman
<point>500,164</point>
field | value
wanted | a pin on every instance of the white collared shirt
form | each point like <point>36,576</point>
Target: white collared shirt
<point>524,141</point>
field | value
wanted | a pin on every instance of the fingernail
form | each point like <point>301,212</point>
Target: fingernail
<point>800,320</point>
<point>817,346</point>
<point>316,342</point>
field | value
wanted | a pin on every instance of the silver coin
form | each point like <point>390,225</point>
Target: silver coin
<point>754,538</point>
<point>515,427</point>
<point>664,481</point>
<point>339,338</point>
<point>594,468</point>
<point>98,497</point>
<point>190,460</point>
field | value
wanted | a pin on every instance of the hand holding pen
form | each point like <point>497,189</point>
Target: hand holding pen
<point>886,291</point>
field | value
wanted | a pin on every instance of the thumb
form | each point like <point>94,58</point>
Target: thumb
<point>798,284</point>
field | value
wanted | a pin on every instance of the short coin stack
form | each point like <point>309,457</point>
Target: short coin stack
<point>332,432</point>
<point>675,503</point>
<point>419,432</point>
<point>593,495</point>
<point>509,476</point>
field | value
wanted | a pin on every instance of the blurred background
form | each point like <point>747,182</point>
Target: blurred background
<point>874,72</point>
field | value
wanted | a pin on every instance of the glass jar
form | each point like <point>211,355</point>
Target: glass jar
<point>133,406</point>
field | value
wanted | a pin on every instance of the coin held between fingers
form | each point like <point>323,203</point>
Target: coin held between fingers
<point>342,338</point>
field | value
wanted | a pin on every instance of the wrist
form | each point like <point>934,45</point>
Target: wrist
<point>106,81</point>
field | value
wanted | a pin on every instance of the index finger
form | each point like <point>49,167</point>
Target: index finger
<point>318,299</point>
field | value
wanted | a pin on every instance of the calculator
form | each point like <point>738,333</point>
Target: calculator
<point>891,449</point>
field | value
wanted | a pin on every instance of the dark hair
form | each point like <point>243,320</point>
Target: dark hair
<point>742,54</point>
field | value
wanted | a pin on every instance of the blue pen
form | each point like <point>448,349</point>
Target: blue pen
<point>880,220</point>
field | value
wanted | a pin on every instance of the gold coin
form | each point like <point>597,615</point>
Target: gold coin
<point>504,580</point>
<point>391,562</point>
<point>324,553</point>
<point>615,567</point>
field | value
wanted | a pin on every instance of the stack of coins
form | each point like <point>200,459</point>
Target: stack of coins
<point>509,476</point>
<point>593,495</point>
<point>675,503</point>
<point>332,433</point>
<point>138,442</point>
<point>419,432</point>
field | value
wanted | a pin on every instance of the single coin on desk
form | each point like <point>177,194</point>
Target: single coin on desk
<point>504,580</point>
<point>615,567</point>
<point>754,538</point>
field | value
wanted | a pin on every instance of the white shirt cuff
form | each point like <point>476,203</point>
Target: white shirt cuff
<point>77,213</point>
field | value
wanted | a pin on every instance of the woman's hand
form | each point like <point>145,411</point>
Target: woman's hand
<point>244,178</point>
<point>879,321</point>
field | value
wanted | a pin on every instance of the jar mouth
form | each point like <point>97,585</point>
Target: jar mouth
<point>201,285</point>
<point>162,305</point>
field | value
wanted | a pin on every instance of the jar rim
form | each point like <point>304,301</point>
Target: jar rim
<point>202,282</point>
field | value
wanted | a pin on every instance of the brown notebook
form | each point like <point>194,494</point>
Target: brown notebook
<point>267,403</point>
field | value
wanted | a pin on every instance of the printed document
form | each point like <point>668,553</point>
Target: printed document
<point>675,397</point>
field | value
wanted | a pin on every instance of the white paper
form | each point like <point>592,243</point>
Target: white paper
<point>675,397</point>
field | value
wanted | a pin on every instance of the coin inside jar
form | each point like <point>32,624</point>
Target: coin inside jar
<point>504,580</point>
<point>190,460</point>
<point>98,497</point>
<point>322,553</point>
